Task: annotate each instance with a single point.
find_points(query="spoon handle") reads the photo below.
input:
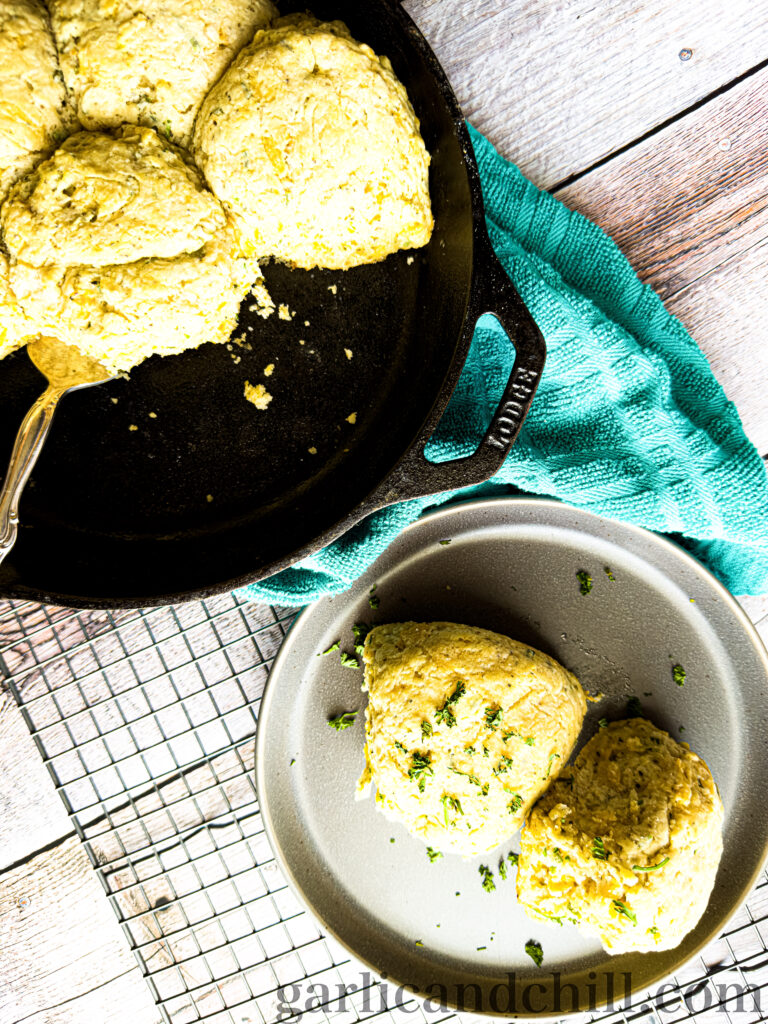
(26, 449)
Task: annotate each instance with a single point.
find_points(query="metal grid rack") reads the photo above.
(145, 720)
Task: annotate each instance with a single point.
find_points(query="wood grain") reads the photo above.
(65, 958)
(557, 86)
(688, 207)
(31, 812)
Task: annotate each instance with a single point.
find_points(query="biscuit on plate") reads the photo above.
(626, 843)
(465, 728)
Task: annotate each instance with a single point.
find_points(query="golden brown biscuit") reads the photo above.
(152, 62)
(312, 144)
(626, 844)
(465, 728)
(118, 248)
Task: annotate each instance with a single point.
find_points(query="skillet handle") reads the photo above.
(493, 292)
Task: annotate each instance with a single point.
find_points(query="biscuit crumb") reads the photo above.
(332, 289)
(409, 261)
(264, 304)
(209, 498)
(283, 312)
(269, 370)
(153, 415)
(113, 401)
(133, 427)
(352, 418)
(348, 353)
(302, 342)
(312, 451)
(306, 323)
(257, 395)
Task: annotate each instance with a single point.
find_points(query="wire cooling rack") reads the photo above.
(146, 721)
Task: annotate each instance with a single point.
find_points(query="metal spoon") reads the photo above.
(65, 369)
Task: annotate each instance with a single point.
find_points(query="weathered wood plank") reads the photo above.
(31, 812)
(689, 209)
(558, 86)
(64, 957)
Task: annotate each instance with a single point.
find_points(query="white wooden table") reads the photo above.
(650, 117)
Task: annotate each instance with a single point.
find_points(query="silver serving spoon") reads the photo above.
(66, 369)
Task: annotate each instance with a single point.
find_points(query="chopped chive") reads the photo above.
(342, 721)
(420, 769)
(651, 867)
(487, 878)
(493, 717)
(535, 952)
(585, 581)
(623, 909)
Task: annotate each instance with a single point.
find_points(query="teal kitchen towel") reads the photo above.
(628, 421)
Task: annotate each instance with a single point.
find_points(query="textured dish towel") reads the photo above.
(628, 421)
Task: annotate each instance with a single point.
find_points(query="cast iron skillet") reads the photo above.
(210, 493)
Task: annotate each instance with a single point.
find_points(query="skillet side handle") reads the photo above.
(494, 293)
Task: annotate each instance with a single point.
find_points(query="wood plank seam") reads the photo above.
(621, 150)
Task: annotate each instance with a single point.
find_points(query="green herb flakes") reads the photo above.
(634, 708)
(420, 770)
(342, 721)
(585, 581)
(444, 542)
(603, 723)
(444, 714)
(552, 757)
(359, 632)
(515, 804)
(470, 750)
(624, 910)
(503, 869)
(535, 952)
(598, 849)
(655, 931)
(650, 867)
(374, 601)
(450, 803)
(426, 729)
(678, 674)
(513, 859)
(334, 647)
(418, 942)
(609, 573)
(503, 766)
(487, 878)
(348, 661)
(433, 855)
(467, 775)
(493, 717)
(400, 746)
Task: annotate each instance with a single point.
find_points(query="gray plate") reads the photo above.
(510, 566)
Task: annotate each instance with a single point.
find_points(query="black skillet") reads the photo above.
(210, 494)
